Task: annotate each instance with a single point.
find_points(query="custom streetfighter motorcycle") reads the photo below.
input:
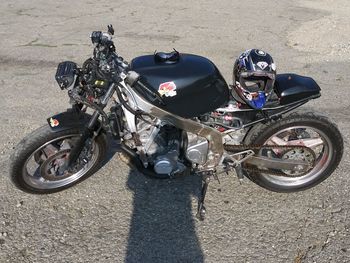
(173, 114)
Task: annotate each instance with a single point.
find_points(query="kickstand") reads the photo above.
(201, 208)
(239, 172)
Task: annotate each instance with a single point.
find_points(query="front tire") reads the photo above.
(299, 127)
(39, 162)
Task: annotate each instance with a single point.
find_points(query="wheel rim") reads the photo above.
(37, 172)
(308, 136)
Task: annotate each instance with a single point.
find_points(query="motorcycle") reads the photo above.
(174, 115)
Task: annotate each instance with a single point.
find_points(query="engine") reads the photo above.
(162, 147)
(166, 148)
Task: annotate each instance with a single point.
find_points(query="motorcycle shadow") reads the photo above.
(162, 227)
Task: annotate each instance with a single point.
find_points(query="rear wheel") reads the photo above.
(325, 149)
(40, 161)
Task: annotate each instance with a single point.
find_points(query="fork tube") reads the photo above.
(89, 129)
(108, 95)
(87, 133)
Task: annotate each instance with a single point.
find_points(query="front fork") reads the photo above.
(88, 131)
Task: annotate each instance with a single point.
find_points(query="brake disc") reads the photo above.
(55, 168)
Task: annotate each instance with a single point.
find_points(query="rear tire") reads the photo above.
(331, 153)
(29, 149)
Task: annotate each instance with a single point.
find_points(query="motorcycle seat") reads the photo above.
(291, 88)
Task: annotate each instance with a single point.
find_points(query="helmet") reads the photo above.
(254, 74)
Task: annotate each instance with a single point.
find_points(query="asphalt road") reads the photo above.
(118, 215)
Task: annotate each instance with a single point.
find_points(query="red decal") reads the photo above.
(54, 122)
(167, 89)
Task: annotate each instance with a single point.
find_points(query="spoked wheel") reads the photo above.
(322, 149)
(40, 161)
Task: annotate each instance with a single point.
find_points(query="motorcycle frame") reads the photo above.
(132, 103)
(216, 152)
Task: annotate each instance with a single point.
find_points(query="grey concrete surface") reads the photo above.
(118, 215)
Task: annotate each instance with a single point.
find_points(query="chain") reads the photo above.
(238, 148)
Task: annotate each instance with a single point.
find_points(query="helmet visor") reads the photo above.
(253, 86)
(248, 74)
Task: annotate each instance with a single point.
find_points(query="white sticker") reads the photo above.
(167, 89)
(54, 122)
(260, 52)
(248, 96)
(273, 66)
(262, 64)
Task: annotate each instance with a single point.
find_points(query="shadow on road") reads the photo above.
(162, 227)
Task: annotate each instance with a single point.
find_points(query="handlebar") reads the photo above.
(109, 63)
(98, 37)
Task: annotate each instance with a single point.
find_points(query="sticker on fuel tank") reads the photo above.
(167, 89)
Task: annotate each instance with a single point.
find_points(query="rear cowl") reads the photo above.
(189, 87)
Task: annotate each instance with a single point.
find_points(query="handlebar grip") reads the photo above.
(100, 38)
(96, 37)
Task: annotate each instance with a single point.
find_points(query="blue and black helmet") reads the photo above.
(254, 75)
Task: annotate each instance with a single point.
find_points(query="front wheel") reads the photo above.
(40, 161)
(314, 131)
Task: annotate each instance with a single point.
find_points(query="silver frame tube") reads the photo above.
(214, 137)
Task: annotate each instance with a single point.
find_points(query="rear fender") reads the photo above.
(292, 88)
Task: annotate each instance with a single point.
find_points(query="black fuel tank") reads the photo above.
(190, 85)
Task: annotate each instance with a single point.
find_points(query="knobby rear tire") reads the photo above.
(262, 132)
